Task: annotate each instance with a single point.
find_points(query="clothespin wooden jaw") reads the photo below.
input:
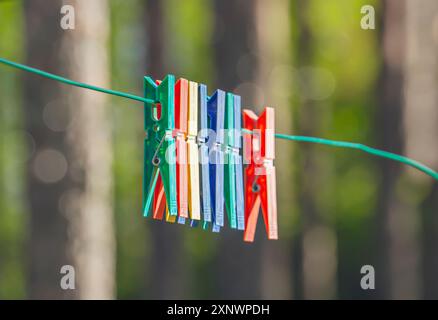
(159, 143)
(260, 177)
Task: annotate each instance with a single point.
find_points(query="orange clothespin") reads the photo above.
(260, 184)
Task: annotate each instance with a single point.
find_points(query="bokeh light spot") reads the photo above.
(55, 116)
(50, 166)
(316, 83)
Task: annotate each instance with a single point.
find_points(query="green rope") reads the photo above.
(332, 143)
(358, 146)
(74, 83)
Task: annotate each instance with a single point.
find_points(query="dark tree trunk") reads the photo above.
(421, 130)
(273, 33)
(389, 127)
(48, 227)
(166, 276)
(237, 268)
(430, 242)
(397, 244)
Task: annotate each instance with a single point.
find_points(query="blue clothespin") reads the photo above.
(216, 117)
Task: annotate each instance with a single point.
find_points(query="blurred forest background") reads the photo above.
(71, 160)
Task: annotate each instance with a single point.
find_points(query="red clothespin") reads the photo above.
(260, 185)
(181, 112)
(180, 133)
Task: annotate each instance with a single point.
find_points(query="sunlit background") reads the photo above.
(71, 160)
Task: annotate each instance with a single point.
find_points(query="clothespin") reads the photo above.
(260, 185)
(192, 153)
(180, 133)
(237, 160)
(159, 146)
(216, 117)
(230, 173)
(203, 156)
(159, 199)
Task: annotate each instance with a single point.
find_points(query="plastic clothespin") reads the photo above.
(230, 172)
(192, 153)
(203, 156)
(159, 200)
(216, 117)
(237, 160)
(181, 111)
(260, 185)
(159, 149)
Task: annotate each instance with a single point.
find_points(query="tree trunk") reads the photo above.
(165, 279)
(392, 266)
(274, 82)
(237, 268)
(421, 130)
(69, 177)
(388, 121)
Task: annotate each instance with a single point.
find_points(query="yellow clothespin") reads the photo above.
(192, 153)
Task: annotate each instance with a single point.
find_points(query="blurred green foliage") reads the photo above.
(13, 155)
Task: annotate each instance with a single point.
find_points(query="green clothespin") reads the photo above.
(159, 148)
(229, 179)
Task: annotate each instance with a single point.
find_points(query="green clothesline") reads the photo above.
(73, 83)
(364, 148)
(332, 143)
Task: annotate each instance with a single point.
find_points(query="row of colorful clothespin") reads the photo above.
(193, 169)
